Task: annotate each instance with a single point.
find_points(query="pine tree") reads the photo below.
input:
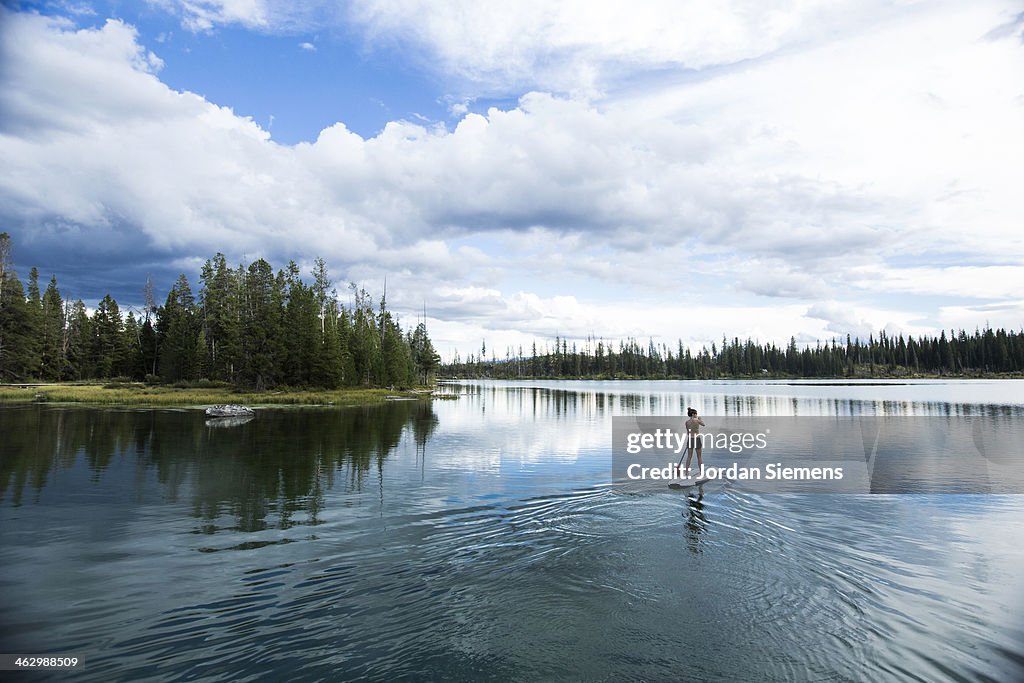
(109, 352)
(331, 362)
(52, 349)
(305, 331)
(79, 343)
(365, 341)
(263, 330)
(34, 325)
(221, 319)
(350, 376)
(399, 367)
(327, 364)
(426, 358)
(134, 365)
(178, 334)
(16, 359)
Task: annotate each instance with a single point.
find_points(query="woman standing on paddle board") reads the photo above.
(693, 439)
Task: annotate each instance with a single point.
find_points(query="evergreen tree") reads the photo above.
(304, 340)
(16, 358)
(350, 376)
(109, 351)
(397, 361)
(426, 358)
(52, 347)
(329, 362)
(221, 319)
(364, 341)
(178, 334)
(79, 343)
(134, 363)
(34, 325)
(261, 328)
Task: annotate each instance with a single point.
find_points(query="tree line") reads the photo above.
(985, 351)
(247, 326)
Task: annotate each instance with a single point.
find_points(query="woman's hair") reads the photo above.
(691, 411)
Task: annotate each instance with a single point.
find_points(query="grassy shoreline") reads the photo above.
(148, 395)
(139, 394)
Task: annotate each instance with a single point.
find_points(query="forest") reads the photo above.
(986, 352)
(252, 327)
(246, 326)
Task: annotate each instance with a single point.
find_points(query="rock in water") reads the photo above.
(229, 410)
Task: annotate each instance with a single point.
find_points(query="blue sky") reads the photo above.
(658, 169)
(293, 84)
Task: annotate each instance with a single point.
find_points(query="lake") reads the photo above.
(482, 539)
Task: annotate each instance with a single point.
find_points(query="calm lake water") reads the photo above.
(481, 539)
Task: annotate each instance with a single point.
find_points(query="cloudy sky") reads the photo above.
(675, 170)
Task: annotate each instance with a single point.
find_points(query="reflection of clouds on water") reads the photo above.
(531, 425)
(469, 455)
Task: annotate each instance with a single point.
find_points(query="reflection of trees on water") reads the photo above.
(277, 465)
(37, 440)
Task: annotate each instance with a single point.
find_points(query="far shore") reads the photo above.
(860, 379)
(139, 394)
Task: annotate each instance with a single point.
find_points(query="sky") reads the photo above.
(659, 170)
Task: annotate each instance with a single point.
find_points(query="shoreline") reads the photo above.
(825, 380)
(140, 394)
(179, 397)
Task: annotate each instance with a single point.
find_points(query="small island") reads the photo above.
(250, 337)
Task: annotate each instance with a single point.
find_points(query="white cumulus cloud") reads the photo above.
(817, 155)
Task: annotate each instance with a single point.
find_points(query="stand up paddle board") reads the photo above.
(688, 483)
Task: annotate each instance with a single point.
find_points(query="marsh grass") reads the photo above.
(119, 393)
